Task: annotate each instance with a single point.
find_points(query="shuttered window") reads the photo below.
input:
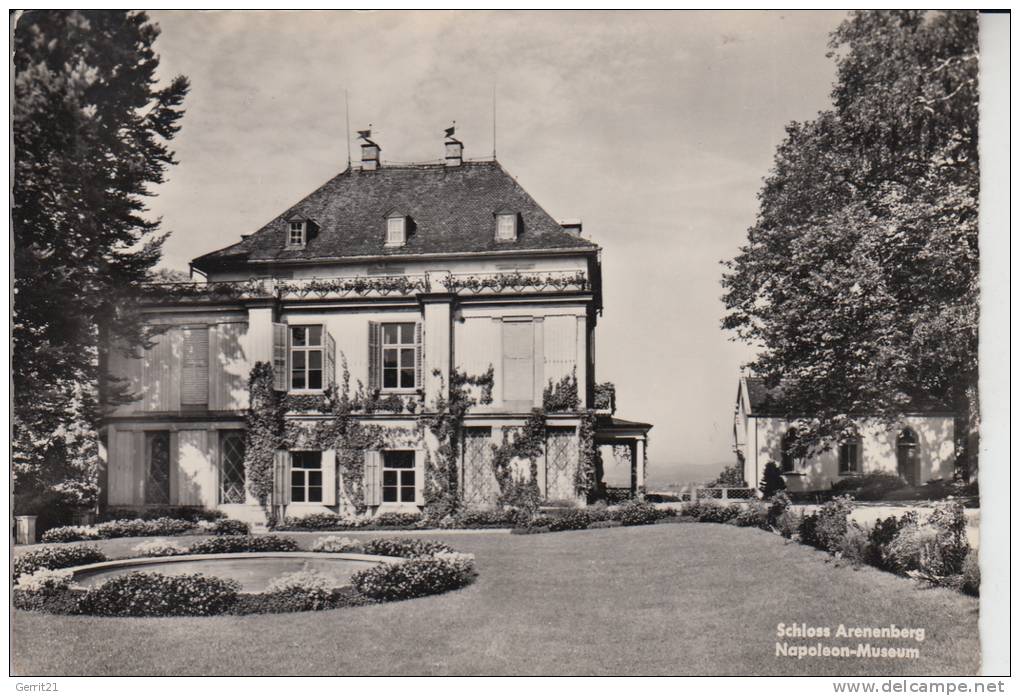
(195, 368)
(306, 477)
(518, 361)
(373, 477)
(306, 357)
(280, 357)
(398, 476)
(399, 356)
(394, 356)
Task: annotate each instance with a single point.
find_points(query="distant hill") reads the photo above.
(662, 474)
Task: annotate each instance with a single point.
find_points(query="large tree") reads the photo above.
(859, 279)
(91, 128)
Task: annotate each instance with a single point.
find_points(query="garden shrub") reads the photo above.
(789, 523)
(869, 486)
(971, 581)
(64, 602)
(832, 523)
(63, 535)
(158, 548)
(881, 536)
(950, 523)
(45, 581)
(325, 520)
(808, 531)
(778, 505)
(190, 514)
(227, 527)
(772, 480)
(753, 514)
(576, 519)
(402, 547)
(55, 557)
(505, 517)
(536, 521)
(335, 544)
(914, 548)
(243, 544)
(415, 577)
(712, 511)
(397, 519)
(308, 589)
(604, 524)
(853, 546)
(290, 601)
(934, 551)
(638, 513)
(153, 594)
(116, 529)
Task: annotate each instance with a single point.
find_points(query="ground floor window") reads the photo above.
(398, 476)
(157, 467)
(850, 457)
(232, 467)
(788, 460)
(306, 477)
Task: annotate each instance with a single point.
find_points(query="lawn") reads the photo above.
(674, 599)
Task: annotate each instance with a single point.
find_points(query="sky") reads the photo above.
(655, 128)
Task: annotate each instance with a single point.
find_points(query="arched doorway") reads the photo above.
(908, 463)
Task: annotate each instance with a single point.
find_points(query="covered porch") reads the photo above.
(623, 448)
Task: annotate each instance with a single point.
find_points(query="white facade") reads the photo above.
(918, 447)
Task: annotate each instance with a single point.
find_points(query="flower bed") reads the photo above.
(44, 579)
(161, 526)
(935, 552)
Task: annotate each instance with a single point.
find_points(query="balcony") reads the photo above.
(366, 287)
(515, 283)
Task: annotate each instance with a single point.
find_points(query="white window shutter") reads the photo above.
(329, 477)
(418, 381)
(195, 366)
(280, 376)
(374, 356)
(419, 477)
(373, 476)
(281, 477)
(330, 361)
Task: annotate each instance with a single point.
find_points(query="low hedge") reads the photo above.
(243, 544)
(426, 568)
(152, 594)
(163, 526)
(414, 577)
(404, 547)
(291, 601)
(227, 527)
(55, 557)
(183, 512)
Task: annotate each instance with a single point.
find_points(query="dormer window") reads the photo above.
(396, 230)
(296, 234)
(506, 227)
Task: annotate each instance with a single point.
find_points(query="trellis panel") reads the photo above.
(480, 488)
(561, 464)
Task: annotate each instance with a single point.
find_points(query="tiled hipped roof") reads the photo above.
(451, 211)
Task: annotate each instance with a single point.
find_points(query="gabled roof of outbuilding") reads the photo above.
(452, 210)
(764, 401)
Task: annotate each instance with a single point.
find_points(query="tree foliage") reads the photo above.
(859, 279)
(90, 132)
(731, 476)
(772, 480)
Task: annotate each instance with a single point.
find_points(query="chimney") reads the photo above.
(571, 225)
(369, 152)
(454, 149)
